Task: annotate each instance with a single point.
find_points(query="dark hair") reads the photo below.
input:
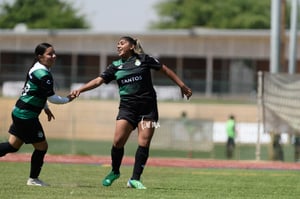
(129, 39)
(137, 44)
(39, 50)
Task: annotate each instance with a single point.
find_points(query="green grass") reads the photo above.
(84, 181)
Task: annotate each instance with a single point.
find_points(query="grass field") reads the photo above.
(84, 181)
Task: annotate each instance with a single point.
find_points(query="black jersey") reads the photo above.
(38, 88)
(133, 76)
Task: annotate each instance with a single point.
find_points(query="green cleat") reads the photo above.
(136, 184)
(110, 178)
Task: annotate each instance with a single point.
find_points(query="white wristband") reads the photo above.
(55, 99)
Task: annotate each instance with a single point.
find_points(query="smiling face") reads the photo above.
(125, 48)
(48, 58)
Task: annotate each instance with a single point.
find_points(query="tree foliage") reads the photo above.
(37, 14)
(230, 14)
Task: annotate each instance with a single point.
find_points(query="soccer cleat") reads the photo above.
(36, 182)
(136, 184)
(110, 178)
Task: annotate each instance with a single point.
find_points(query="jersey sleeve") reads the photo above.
(46, 85)
(44, 82)
(56, 99)
(153, 62)
(109, 74)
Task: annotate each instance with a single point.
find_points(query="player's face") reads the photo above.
(124, 48)
(48, 58)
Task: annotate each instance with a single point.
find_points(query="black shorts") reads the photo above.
(136, 112)
(28, 130)
(230, 142)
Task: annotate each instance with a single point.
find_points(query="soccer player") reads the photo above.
(26, 127)
(138, 104)
(231, 134)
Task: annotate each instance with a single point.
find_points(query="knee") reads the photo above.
(42, 146)
(144, 142)
(118, 145)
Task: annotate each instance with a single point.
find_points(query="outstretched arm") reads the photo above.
(184, 89)
(88, 86)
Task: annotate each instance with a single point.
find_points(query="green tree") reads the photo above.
(231, 14)
(37, 14)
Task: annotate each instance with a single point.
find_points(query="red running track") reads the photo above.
(163, 162)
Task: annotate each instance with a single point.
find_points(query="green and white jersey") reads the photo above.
(133, 76)
(38, 87)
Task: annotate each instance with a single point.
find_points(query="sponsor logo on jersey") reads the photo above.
(131, 79)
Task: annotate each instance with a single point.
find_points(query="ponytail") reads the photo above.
(27, 74)
(138, 49)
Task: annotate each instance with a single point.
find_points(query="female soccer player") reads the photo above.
(138, 104)
(26, 127)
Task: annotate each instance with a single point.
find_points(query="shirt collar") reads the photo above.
(37, 66)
